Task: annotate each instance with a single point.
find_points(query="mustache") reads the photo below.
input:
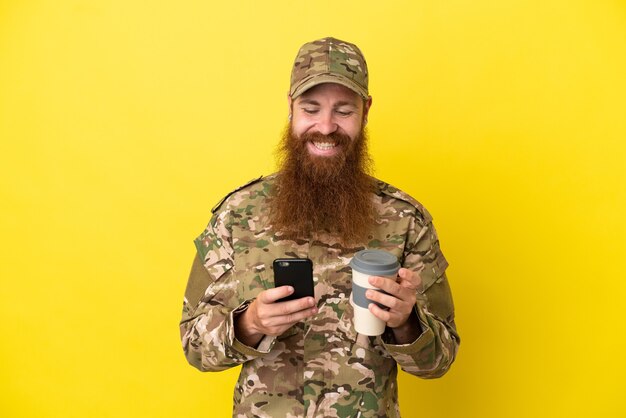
(336, 138)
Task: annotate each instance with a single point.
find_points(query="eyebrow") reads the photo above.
(308, 101)
(316, 103)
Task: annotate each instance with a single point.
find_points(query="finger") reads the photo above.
(291, 318)
(409, 278)
(279, 324)
(384, 283)
(286, 308)
(272, 295)
(403, 304)
(292, 306)
(388, 301)
(280, 314)
(391, 318)
(383, 315)
(404, 293)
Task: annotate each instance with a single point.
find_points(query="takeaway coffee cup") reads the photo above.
(367, 263)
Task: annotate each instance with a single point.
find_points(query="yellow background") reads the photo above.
(123, 122)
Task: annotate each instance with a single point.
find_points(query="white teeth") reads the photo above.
(324, 145)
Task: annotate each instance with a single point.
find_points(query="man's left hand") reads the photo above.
(400, 299)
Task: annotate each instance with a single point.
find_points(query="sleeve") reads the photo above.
(211, 304)
(434, 351)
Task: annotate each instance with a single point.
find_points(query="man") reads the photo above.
(303, 357)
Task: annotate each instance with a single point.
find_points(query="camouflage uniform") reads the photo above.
(320, 367)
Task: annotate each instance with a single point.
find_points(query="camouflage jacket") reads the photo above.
(320, 367)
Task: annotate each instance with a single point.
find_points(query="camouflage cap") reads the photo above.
(329, 60)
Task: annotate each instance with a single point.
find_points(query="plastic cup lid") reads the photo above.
(375, 263)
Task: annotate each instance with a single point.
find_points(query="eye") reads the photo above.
(344, 112)
(309, 110)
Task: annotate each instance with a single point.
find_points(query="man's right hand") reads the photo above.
(265, 316)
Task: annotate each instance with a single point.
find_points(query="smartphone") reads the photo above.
(296, 272)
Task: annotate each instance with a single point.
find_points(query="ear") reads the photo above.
(366, 106)
(289, 102)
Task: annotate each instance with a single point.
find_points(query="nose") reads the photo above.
(326, 124)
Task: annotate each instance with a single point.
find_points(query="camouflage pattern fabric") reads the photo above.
(320, 367)
(329, 60)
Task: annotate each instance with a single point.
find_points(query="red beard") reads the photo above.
(330, 194)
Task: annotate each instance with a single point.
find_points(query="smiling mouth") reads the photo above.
(324, 146)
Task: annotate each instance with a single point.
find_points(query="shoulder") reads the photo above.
(249, 193)
(393, 196)
(229, 209)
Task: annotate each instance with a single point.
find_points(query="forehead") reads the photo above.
(330, 92)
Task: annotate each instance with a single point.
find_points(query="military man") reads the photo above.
(303, 357)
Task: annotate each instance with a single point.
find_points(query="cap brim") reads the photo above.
(328, 78)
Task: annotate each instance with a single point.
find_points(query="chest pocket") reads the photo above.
(251, 282)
